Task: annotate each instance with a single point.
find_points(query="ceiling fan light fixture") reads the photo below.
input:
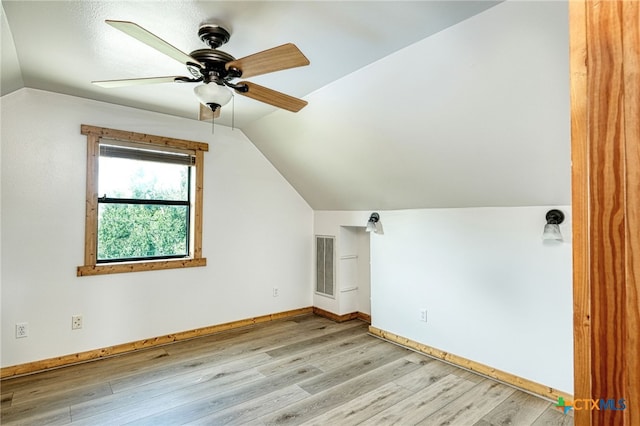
(212, 93)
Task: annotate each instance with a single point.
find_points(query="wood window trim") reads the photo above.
(91, 267)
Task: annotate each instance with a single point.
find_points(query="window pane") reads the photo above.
(135, 231)
(126, 178)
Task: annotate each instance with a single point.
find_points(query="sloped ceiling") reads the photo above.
(474, 116)
(411, 104)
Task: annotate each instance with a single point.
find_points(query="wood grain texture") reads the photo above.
(520, 408)
(363, 407)
(605, 140)
(245, 412)
(606, 210)
(344, 317)
(334, 317)
(120, 268)
(206, 114)
(238, 377)
(553, 417)
(364, 317)
(272, 97)
(424, 402)
(360, 361)
(198, 208)
(91, 209)
(580, 207)
(631, 53)
(37, 366)
(471, 406)
(124, 135)
(512, 379)
(275, 59)
(344, 393)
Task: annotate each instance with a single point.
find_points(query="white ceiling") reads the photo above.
(411, 104)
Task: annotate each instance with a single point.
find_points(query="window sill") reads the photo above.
(118, 268)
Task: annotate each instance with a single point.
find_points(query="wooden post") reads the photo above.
(605, 99)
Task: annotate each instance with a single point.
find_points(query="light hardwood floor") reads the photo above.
(305, 370)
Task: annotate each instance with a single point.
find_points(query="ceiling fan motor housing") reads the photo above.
(214, 62)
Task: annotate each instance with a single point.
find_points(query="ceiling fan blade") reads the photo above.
(138, 81)
(139, 33)
(275, 59)
(271, 97)
(206, 114)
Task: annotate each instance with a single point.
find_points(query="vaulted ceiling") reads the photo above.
(411, 104)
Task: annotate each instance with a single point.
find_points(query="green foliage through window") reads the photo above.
(143, 208)
(141, 231)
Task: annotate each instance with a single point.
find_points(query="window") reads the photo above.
(144, 202)
(325, 272)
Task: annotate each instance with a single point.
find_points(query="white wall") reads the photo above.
(494, 292)
(353, 269)
(256, 235)
(348, 228)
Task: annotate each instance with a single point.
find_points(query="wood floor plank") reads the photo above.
(315, 355)
(133, 407)
(205, 405)
(341, 358)
(423, 403)
(292, 371)
(471, 406)
(210, 353)
(369, 360)
(262, 341)
(247, 412)
(362, 408)
(469, 375)
(553, 417)
(86, 373)
(45, 404)
(426, 375)
(520, 408)
(52, 417)
(5, 399)
(210, 380)
(189, 368)
(418, 358)
(343, 393)
(225, 339)
(318, 341)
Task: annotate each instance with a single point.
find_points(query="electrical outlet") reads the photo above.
(22, 330)
(275, 292)
(423, 315)
(76, 322)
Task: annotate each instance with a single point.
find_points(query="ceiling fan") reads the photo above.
(216, 69)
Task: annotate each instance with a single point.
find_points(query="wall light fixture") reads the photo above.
(552, 228)
(374, 225)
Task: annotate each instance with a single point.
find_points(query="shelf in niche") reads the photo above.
(348, 256)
